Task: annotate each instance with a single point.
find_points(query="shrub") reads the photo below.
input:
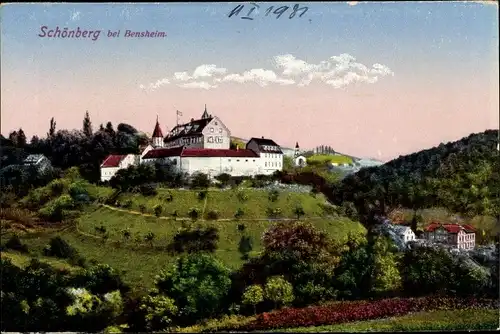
(241, 227)
(194, 213)
(200, 181)
(15, 243)
(279, 291)
(273, 195)
(213, 215)
(202, 195)
(148, 190)
(299, 211)
(169, 197)
(57, 187)
(239, 213)
(149, 237)
(357, 311)
(127, 204)
(158, 210)
(175, 214)
(253, 295)
(58, 247)
(142, 208)
(195, 240)
(273, 212)
(242, 196)
(245, 246)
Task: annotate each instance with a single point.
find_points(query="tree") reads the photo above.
(200, 181)
(279, 291)
(198, 283)
(21, 138)
(87, 125)
(299, 211)
(245, 246)
(52, 130)
(386, 276)
(159, 311)
(253, 295)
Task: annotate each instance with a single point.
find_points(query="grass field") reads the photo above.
(319, 159)
(253, 202)
(138, 261)
(22, 260)
(422, 321)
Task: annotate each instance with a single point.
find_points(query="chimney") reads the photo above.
(262, 137)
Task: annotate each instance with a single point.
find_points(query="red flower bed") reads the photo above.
(358, 311)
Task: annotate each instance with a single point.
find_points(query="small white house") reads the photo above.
(405, 233)
(40, 161)
(113, 163)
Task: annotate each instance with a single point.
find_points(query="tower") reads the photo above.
(296, 151)
(205, 113)
(157, 135)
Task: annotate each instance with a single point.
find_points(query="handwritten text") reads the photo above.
(295, 11)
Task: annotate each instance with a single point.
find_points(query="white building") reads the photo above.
(113, 163)
(405, 233)
(203, 145)
(40, 161)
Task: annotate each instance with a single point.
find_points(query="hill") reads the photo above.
(461, 176)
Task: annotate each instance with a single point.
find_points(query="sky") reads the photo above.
(372, 79)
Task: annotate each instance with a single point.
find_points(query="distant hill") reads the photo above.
(461, 176)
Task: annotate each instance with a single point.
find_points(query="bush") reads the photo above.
(273, 212)
(148, 190)
(15, 243)
(245, 246)
(57, 187)
(213, 215)
(273, 195)
(127, 204)
(241, 227)
(356, 311)
(242, 197)
(202, 195)
(142, 208)
(239, 213)
(168, 197)
(200, 181)
(194, 213)
(158, 210)
(195, 240)
(175, 214)
(60, 248)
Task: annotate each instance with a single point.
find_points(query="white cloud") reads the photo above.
(204, 71)
(201, 85)
(259, 76)
(337, 72)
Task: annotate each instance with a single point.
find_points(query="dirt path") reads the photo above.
(202, 219)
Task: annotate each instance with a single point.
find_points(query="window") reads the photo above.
(220, 130)
(265, 164)
(215, 123)
(246, 160)
(237, 160)
(229, 160)
(211, 129)
(253, 160)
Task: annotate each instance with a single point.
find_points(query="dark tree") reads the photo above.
(87, 125)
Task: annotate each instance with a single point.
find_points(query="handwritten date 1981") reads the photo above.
(270, 10)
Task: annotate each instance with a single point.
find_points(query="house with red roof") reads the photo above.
(455, 235)
(113, 163)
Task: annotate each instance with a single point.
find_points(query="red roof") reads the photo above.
(163, 153)
(113, 161)
(208, 153)
(450, 228)
(199, 152)
(157, 131)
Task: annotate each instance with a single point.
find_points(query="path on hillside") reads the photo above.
(202, 219)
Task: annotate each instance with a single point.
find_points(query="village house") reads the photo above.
(113, 163)
(405, 233)
(40, 161)
(202, 146)
(454, 235)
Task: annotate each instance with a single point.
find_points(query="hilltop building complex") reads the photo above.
(202, 145)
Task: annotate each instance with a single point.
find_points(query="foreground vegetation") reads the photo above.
(453, 320)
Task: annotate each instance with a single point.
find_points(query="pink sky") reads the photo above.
(436, 69)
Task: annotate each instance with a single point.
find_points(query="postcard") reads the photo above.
(250, 166)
